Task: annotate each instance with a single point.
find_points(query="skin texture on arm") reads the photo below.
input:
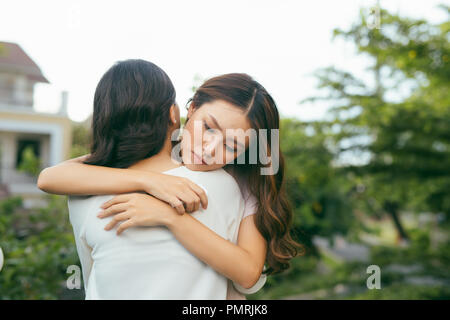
(72, 177)
(241, 263)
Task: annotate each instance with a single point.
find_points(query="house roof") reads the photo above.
(14, 59)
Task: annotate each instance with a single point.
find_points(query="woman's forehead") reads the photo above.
(225, 115)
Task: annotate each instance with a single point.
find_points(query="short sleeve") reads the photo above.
(250, 206)
(255, 288)
(251, 203)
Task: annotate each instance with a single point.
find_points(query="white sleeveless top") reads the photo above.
(149, 262)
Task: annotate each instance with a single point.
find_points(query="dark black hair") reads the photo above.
(131, 113)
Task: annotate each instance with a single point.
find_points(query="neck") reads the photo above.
(162, 161)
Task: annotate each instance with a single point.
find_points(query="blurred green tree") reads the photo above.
(81, 137)
(317, 192)
(397, 118)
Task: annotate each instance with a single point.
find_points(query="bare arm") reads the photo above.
(72, 177)
(241, 263)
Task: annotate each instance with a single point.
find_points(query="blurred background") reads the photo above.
(363, 90)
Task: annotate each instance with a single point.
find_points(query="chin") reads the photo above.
(194, 167)
(202, 167)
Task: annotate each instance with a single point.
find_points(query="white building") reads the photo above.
(49, 135)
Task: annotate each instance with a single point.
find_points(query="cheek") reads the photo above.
(191, 141)
(188, 136)
(196, 136)
(228, 156)
(212, 167)
(198, 132)
(186, 147)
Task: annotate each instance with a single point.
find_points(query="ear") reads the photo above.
(175, 114)
(191, 110)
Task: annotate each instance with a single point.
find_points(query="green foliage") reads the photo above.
(198, 81)
(30, 163)
(316, 191)
(38, 247)
(405, 138)
(81, 138)
(305, 280)
(401, 291)
(401, 144)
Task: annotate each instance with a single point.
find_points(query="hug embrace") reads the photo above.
(199, 213)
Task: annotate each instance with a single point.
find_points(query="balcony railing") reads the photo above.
(7, 97)
(12, 175)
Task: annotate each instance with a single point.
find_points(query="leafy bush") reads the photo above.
(30, 163)
(38, 246)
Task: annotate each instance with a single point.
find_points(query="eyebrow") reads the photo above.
(215, 121)
(217, 124)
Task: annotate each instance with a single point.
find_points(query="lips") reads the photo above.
(198, 159)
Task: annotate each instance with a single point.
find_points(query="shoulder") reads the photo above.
(251, 205)
(85, 202)
(82, 207)
(219, 181)
(251, 202)
(215, 182)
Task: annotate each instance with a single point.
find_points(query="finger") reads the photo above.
(116, 219)
(201, 193)
(189, 206)
(124, 225)
(189, 198)
(177, 204)
(195, 201)
(116, 208)
(196, 204)
(117, 199)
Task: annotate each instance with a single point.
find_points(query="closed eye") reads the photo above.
(208, 128)
(230, 148)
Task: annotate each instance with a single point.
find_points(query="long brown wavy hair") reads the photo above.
(274, 215)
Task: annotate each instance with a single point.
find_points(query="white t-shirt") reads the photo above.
(149, 262)
(251, 204)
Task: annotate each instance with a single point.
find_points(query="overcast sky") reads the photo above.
(280, 43)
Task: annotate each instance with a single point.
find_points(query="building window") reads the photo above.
(6, 88)
(22, 144)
